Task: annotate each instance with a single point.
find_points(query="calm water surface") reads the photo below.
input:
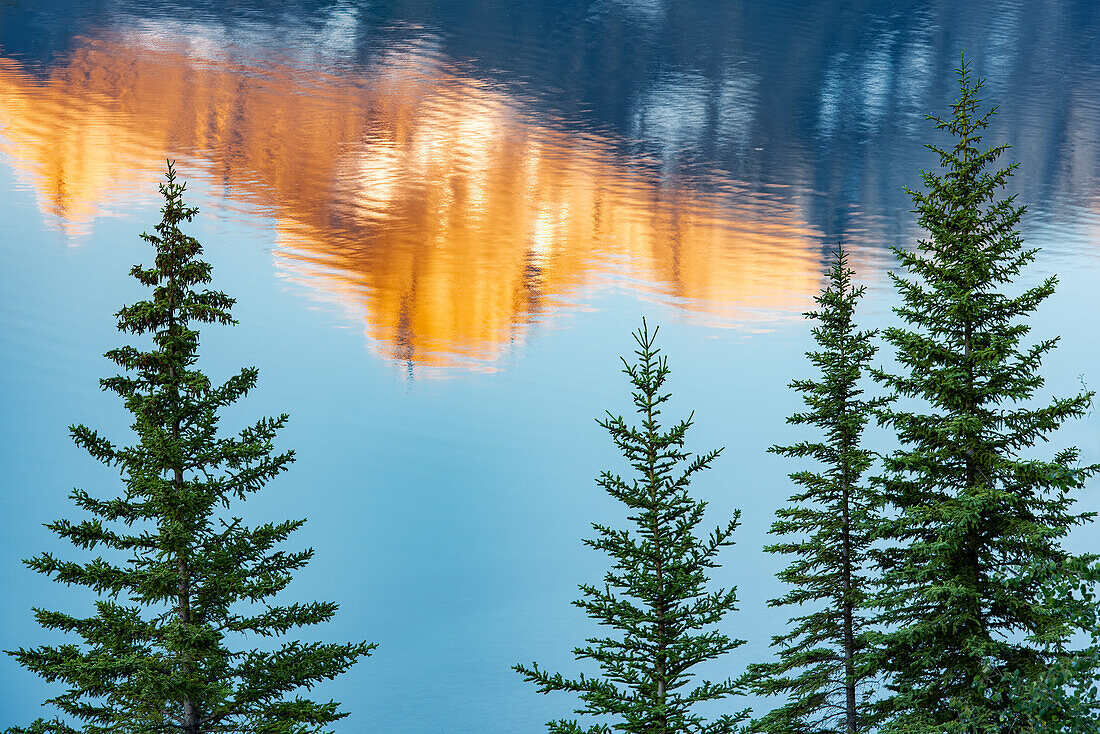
(442, 220)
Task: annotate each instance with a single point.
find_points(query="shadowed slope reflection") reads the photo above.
(440, 208)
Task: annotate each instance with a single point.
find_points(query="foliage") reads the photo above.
(654, 596)
(970, 575)
(829, 528)
(168, 670)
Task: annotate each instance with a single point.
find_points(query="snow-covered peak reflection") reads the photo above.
(444, 212)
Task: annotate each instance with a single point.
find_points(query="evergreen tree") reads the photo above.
(821, 661)
(169, 670)
(976, 592)
(654, 596)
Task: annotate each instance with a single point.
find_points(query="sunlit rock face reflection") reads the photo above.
(437, 206)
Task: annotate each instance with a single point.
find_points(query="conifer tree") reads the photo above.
(977, 593)
(154, 657)
(821, 665)
(654, 596)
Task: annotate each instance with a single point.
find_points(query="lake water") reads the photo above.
(441, 221)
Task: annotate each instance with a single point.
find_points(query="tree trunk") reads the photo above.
(849, 636)
(190, 711)
(191, 718)
(662, 643)
(846, 564)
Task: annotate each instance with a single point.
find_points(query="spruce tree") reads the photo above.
(821, 665)
(654, 595)
(977, 595)
(154, 656)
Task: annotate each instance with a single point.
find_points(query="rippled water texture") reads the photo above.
(494, 193)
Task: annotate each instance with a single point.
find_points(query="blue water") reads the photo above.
(441, 222)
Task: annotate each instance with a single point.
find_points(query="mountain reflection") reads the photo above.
(437, 206)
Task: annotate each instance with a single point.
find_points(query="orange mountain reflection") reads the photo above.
(439, 208)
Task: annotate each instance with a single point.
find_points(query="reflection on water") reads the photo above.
(452, 172)
(431, 202)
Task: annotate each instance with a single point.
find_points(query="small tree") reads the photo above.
(169, 670)
(977, 593)
(833, 517)
(654, 595)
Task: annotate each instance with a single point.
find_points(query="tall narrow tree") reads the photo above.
(188, 569)
(971, 577)
(821, 665)
(654, 596)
